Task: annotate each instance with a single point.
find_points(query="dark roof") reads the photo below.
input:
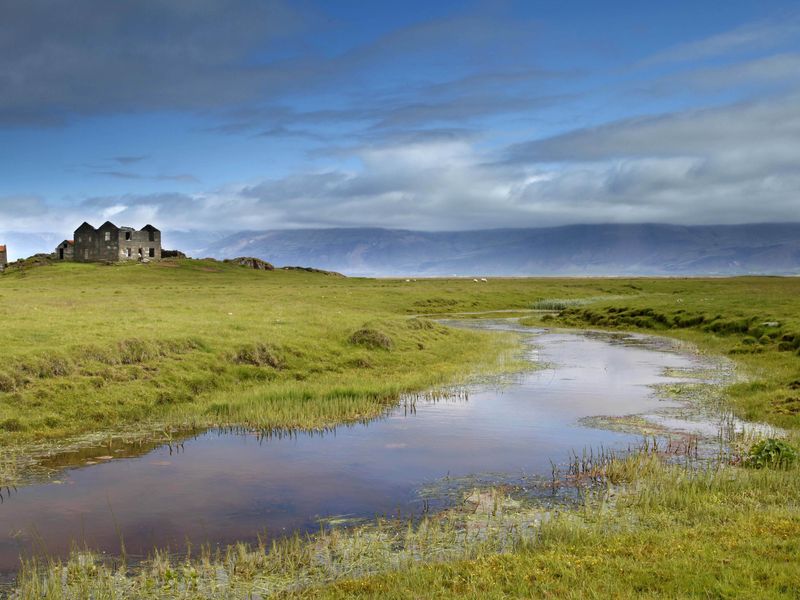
(67, 242)
(110, 225)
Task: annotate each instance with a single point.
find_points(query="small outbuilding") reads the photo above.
(65, 250)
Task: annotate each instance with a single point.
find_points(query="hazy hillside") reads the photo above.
(571, 250)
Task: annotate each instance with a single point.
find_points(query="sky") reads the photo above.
(247, 115)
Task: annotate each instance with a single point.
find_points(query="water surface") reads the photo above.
(220, 487)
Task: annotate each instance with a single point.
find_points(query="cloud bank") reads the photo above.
(443, 123)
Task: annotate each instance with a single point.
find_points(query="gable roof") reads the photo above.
(2, 248)
(84, 226)
(149, 227)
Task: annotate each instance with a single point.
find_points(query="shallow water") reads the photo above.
(221, 487)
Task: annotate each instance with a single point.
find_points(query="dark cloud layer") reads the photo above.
(59, 61)
(84, 57)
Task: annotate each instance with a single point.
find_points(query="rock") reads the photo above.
(313, 270)
(172, 254)
(251, 263)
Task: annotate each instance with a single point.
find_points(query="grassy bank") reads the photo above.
(90, 348)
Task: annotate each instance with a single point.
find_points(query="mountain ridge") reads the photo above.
(615, 249)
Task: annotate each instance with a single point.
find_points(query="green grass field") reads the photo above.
(86, 350)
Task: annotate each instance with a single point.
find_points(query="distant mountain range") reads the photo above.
(642, 249)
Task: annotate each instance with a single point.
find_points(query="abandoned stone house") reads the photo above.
(3, 257)
(109, 243)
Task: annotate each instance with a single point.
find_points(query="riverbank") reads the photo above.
(101, 355)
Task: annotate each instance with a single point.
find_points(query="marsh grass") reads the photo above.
(559, 304)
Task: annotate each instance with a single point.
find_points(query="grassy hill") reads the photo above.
(94, 347)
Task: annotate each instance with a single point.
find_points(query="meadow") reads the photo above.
(88, 351)
(88, 348)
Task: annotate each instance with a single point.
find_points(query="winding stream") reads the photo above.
(227, 486)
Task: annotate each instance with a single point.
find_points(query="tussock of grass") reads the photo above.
(259, 355)
(371, 338)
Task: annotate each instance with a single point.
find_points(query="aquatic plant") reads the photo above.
(771, 453)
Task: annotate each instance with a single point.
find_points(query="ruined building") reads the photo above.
(3, 257)
(109, 243)
(65, 250)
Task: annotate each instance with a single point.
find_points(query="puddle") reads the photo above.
(219, 487)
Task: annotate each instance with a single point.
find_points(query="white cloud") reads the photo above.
(747, 38)
(732, 164)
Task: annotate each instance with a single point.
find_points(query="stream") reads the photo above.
(219, 486)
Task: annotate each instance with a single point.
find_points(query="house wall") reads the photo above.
(95, 246)
(140, 245)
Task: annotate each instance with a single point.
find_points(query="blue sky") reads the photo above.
(423, 115)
